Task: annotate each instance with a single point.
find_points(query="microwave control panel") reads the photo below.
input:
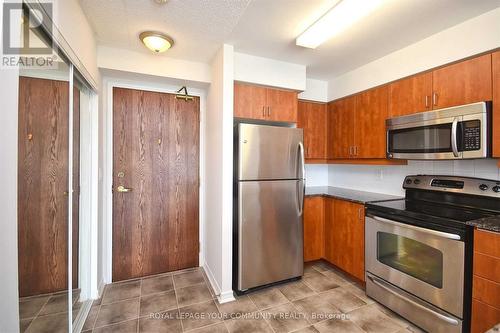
(471, 135)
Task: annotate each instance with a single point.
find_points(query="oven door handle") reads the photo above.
(389, 289)
(409, 226)
(454, 147)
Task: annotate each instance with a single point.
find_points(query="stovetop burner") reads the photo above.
(437, 212)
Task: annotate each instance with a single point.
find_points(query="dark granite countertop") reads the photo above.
(491, 223)
(348, 194)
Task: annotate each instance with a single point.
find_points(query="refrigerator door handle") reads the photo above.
(302, 166)
(299, 187)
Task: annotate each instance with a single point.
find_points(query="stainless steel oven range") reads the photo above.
(419, 249)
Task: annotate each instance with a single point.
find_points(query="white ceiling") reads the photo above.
(268, 28)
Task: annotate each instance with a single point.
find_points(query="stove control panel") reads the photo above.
(465, 185)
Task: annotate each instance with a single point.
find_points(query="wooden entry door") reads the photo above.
(156, 160)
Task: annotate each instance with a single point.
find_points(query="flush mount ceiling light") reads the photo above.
(340, 17)
(161, 2)
(156, 41)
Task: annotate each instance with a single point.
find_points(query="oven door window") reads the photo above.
(411, 257)
(425, 139)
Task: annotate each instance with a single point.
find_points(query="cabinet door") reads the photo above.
(351, 216)
(312, 118)
(331, 239)
(282, 105)
(496, 103)
(249, 101)
(345, 236)
(465, 82)
(314, 216)
(484, 316)
(369, 123)
(341, 128)
(410, 95)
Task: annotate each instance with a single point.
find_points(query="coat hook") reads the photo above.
(184, 96)
(30, 137)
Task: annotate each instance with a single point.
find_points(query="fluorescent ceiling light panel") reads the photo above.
(336, 20)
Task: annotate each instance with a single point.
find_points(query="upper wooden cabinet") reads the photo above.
(356, 125)
(465, 82)
(314, 218)
(250, 101)
(312, 118)
(410, 95)
(496, 103)
(345, 236)
(341, 128)
(369, 123)
(255, 102)
(282, 105)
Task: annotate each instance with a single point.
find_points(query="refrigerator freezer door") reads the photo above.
(270, 232)
(270, 152)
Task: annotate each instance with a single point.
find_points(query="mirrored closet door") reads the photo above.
(54, 154)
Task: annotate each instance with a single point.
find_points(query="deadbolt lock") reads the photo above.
(121, 174)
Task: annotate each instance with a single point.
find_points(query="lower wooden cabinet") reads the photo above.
(334, 230)
(484, 316)
(314, 218)
(345, 236)
(486, 281)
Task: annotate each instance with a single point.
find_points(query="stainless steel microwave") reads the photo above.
(453, 133)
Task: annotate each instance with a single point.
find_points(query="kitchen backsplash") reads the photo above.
(388, 179)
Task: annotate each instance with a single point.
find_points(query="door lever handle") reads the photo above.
(123, 189)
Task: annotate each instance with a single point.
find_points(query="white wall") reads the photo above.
(316, 90)
(78, 38)
(468, 38)
(269, 72)
(316, 175)
(389, 179)
(219, 168)
(9, 309)
(152, 64)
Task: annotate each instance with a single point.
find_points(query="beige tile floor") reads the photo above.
(324, 300)
(46, 313)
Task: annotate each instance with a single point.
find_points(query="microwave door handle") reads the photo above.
(454, 147)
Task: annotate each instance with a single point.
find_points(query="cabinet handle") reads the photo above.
(269, 111)
(426, 101)
(434, 98)
(360, 213)
(350, 151)
(355, 150)
(263, 111)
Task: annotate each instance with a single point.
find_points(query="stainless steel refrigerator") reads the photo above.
(268, 205)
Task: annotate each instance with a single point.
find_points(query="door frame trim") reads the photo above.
(107, 180)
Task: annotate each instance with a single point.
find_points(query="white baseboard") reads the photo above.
(222, 296)
(211, 279)
(100, 289)
(226, 297)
